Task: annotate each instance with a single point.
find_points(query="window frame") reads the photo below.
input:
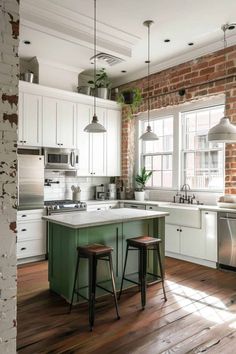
(177, 160)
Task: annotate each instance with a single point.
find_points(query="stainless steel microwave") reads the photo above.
(61, 159)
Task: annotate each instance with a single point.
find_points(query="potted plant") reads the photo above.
(102, 84)
(141, 181)
(131, 99)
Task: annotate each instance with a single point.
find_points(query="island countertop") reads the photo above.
(77, 220)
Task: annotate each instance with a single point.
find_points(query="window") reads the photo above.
(157, 156)
(202, 162)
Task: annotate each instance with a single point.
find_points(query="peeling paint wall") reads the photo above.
(9, 32)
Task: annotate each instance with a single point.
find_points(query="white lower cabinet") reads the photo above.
(102, 206)
(31, 234)
(194, 242)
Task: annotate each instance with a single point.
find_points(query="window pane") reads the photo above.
(157, 163)
(148, 163)
(167, 162)
(167, 179)
(168, 126)
(203, 161)
(157, 178)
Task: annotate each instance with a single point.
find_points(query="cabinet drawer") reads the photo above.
(134, 206)
(31, 230)
(151, 207)
(24, 215)
(31, 248)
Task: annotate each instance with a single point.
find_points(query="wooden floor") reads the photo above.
(199, 316)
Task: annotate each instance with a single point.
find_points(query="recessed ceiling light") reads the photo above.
(231, 27)
(123, 71)
(190, 43)
(166, 40)
(27, 42)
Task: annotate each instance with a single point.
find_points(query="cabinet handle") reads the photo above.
(23, 229)
(177, 230)
(23, 216)
(180, 230)
(23, 248)
(206, 212)
(134, 206)
(150, 207)
(24, 141)
(98, 208)
(20, 141)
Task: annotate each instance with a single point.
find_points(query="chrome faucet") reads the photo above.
(185, 187)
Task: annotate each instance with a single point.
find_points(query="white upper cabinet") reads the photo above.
(84, 115)
(59, 123)
(30, 120)
(113, 163)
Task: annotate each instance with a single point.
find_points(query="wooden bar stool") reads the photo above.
(93, 253)
(143, 244)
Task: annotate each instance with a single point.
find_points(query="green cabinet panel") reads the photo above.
(63, 242)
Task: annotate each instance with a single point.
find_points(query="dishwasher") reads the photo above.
(227, 240)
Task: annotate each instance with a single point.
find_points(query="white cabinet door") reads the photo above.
(113, 143)
(98, 147)
(192, 242)
(20, 120)
(66, 124)
(30, 120)
(84, 115)
(209, 219)
(50, 129)
(172, 238)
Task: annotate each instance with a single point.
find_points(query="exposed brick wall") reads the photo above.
(9, 29)
(193, 76)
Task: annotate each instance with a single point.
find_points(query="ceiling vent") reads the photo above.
(107, 59)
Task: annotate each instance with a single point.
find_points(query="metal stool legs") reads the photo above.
(92, 289)
(143, 275)
(123, 275)
(161, 270)
(74, 287)
(113, 286)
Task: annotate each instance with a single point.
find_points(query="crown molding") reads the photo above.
(177, 60)
(58, 21)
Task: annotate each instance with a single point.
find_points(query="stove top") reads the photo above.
(64, 205)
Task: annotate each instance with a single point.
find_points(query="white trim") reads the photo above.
(203, 262)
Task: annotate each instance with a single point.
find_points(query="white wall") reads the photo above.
(63, 189)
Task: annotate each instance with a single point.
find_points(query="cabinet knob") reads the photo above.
(206, 212)
(180, 230)
(23, 229)
(23, 248)
(24, 141)
(177, 230)
(23, 216)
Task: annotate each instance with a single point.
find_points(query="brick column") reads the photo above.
(9, 30)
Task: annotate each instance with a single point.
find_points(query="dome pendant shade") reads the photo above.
(94, 126)
(149, 135)
(223, 132)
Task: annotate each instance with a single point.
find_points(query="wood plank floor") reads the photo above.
(199, 316)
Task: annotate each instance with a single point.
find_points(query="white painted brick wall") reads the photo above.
(9, 70)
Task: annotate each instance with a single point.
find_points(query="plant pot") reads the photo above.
(102, 92)
(139, 195)
(85, 90)
(128, 97)
(28, 77)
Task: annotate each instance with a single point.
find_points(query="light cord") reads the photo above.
(95, 52)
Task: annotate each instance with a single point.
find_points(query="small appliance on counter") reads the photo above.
(111, 191)
(100, 192)
(76, 193)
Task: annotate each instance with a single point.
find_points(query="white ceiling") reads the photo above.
(62, 31)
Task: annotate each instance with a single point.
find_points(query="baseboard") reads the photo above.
(192, 259)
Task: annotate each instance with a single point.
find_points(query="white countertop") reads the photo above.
(76, 220)
(165, 204)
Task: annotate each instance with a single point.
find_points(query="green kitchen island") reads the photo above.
(66, 231)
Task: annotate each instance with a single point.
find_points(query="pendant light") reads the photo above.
(224, 131)
(94, 126)
(148, 135)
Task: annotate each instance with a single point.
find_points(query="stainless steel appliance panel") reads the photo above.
(31, 182)
(61, 159)
(227, 239)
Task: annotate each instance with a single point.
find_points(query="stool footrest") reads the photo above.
(101, 287)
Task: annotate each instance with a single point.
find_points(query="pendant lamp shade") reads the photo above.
(224, 131)
(94, 126)
(148, 135)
